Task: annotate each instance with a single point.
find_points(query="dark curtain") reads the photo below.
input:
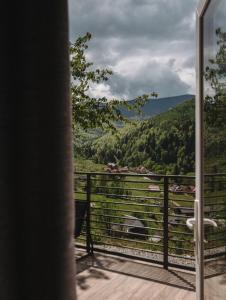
(36, 208)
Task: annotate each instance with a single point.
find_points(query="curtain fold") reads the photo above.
(36, 173)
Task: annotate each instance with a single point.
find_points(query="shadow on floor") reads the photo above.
(216, 267)
(82, 280)
(94, 267)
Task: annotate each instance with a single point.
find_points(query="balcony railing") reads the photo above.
(143, 216)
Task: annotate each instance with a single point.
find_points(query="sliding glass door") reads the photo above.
(211, 151)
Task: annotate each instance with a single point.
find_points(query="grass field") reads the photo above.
(115, 199)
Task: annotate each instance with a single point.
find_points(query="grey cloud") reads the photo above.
(152, 77)
(111, 50)
(171, 62)
(189, 62)
(154, 18)
(138, 28)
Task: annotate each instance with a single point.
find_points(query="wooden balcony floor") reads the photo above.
(112, 278)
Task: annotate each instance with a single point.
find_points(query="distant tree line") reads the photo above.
(163, 144)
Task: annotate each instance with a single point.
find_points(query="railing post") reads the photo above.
(88, 232)
(165, 224)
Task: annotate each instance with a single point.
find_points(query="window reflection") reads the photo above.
(215, 88)
(214, 76)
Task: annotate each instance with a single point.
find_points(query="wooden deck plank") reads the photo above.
(112, 278)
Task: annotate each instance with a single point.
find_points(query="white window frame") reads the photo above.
(199, 202)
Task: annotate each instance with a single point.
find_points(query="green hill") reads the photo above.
(215, 148)
(156, 106)
(163, 144)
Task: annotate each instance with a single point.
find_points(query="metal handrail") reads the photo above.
(164, 222)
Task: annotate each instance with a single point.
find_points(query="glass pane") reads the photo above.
(215, 149)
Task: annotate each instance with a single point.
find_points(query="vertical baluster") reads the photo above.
(165, 224)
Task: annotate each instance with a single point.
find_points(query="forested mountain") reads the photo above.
(215, 148)
(163, 144)
(156, 106)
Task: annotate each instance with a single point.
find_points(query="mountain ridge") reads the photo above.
(164, 144)
(156, 106)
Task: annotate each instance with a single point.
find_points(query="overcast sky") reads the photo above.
(149, 44)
